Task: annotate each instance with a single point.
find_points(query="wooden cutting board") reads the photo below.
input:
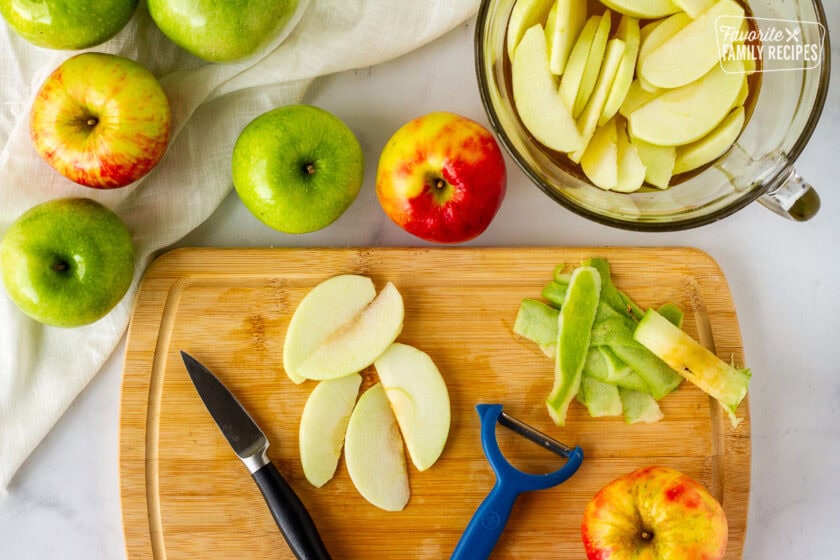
(185, 494)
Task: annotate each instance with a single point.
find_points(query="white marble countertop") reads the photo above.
(64, 503)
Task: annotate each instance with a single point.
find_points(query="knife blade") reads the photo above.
(251, 446)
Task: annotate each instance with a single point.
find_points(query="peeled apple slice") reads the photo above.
(323, 424)
(628, 31)
(644, 9)
(636, 97)
(569, 19)
(694, 7)
(653, 35)
(631, 169)
(692, 51)
(525, 14)
(658, 161)
(574, 329)
(684, 115)
(600, 160)
(593, 64)
(540, 107)
(373, 452)
(712, 146)
(576, 64)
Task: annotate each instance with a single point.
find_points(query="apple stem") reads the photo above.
(92, 121)
(60, 266)
(646, 535)
(309, 168)
(440, 184)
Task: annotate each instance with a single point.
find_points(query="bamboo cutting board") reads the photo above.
(185, 494)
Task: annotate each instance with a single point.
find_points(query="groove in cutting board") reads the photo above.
(185, 494)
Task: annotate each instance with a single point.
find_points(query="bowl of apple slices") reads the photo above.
(657, 114)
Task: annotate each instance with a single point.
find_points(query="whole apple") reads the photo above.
(655, 513)
(101, 120)
(67, 262)
(442, 178)
(221, 30)
(69, 25)
(297, 168)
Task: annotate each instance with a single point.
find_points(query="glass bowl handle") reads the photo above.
(793, 197)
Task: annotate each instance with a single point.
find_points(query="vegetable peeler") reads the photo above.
(489, 520)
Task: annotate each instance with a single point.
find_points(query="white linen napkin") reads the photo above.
(43, 369)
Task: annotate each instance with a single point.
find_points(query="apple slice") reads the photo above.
(636, 97)
(743, 94)
(576, 64)
(343, 296)
(644, 9)
(419, 399)
(691, 52)
(595, 107)
(694, 7)
(653, 35)
(569, 19)
(631, 169)
(358, 343)
(550, 22)
(658, 162)
(713, 146)
(593, 64)
(628, 31)
(323, 424)
(525, 14)
(373, 452)
(540, 107)
(600, 160)
(683, 115)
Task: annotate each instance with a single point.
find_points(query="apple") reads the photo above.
(543, 112)
(653, 35)
(525, 14)
(631, 168)
(324, 310)
(658, 161)
(643, 9)
(600, 160)
(592, 70)
(628, 31)
(221, 30)
(692, 51)
(356, 344)
(373, 452)
(636, 97)
(686, 114)
(59, 24)
(568, 22)
(442, 177)
(712, 146)
(101, 120)
(323, 424)
(694, 7)
(419, 399)
(575, 65)
(655, 513)
(67, 262)
(297, 168)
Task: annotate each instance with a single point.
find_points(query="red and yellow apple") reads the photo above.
(655, 513)
(442, 178)
(101, 120)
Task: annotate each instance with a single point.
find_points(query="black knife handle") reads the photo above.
(290, 514)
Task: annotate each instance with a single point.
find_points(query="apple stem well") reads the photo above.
(309, 168)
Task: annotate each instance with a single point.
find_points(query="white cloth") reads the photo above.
(43, 369)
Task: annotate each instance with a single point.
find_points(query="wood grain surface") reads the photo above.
(185, 494)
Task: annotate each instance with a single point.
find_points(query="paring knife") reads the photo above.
(251, 446)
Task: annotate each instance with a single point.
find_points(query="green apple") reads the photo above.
(67, 262)
(546, 116)
(712, 146)
(355, 345)
(297, 168)
(221, 30)
(588, 120)
(67, 25)
(658, 161)
(373, 452)
(644, 9)
(419, 399)
(686, 114)
(692, 51)
(631, 169)
(628, 31)
(569, 17)
(324, 310)
(323, 425)
(524, 15)
(600, 160)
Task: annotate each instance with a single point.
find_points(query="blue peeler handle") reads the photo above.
(489, 520)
